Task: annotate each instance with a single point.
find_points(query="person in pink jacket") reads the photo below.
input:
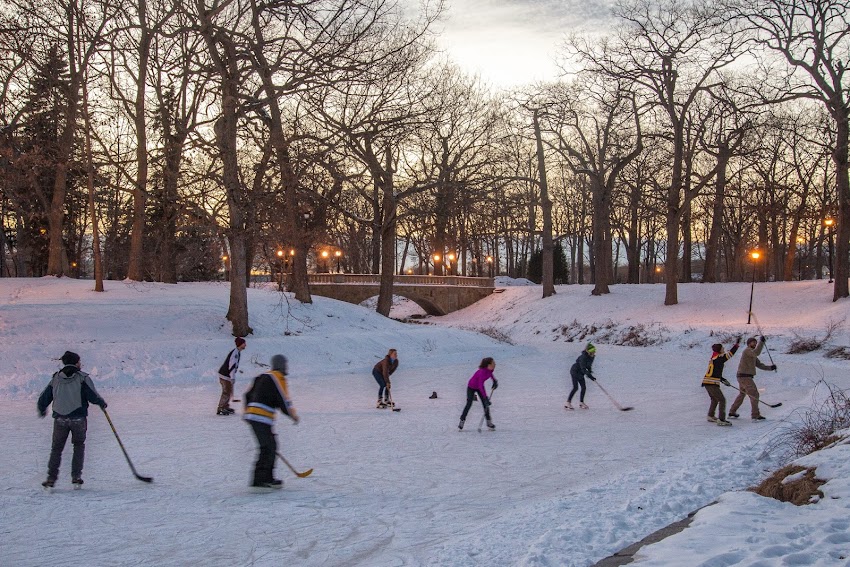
(476, 386)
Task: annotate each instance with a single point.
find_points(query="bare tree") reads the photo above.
(813, 37)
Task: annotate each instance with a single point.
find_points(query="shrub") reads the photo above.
(818, 427)
(801, 344)
(496, 334)
(838, 352)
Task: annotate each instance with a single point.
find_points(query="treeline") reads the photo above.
(168, 141)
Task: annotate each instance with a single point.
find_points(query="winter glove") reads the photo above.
(495, 384)
(763, 339)
(42, 413)
(591, 377)
(725, 381)
(773, 367)
(103, 405)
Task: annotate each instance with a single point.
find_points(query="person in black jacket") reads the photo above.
(70, 391)
(581, 367)
(268, 392)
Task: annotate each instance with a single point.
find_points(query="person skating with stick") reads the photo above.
(476, 385)
(714, 377)
(227, 377)
(381, 373)
(70, 391)
(583, 366)
(746, 374)
(268, 392)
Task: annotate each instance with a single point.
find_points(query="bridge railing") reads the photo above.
(405, 279)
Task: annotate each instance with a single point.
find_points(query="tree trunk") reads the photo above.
(95, 232)
(712, 247)
(842, 186)
(388, 229)
(547, 257)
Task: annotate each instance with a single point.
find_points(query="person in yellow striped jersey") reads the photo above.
(269, 392)
(714, 377)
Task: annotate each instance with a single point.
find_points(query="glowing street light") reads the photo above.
(338, 255)
(325, 258)
(449, 259)
(436, 258)
(755, 255)
(829, 223)
(489, 260)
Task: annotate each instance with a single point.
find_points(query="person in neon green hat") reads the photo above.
(583, 367)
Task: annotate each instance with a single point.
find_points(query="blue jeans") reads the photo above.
(382, 384)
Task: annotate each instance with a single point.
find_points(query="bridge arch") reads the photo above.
(436, 295)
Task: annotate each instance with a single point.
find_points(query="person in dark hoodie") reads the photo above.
(268, 392)
(70, 391)
(583, 366)
(227, 377)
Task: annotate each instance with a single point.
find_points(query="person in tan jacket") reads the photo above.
(746, 374)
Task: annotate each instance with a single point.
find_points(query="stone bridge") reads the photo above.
(437, 295)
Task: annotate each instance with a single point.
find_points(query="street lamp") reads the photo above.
(490, 264)
(449, 259)
(280, 269)
(436, 258)
(338, 255)
(755, 255)
(800, 247)
(325, 258)
(829, 223)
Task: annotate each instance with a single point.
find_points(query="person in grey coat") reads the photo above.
(746, 378)
(70, 391)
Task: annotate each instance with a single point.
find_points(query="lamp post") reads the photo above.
(449, 259)
(800, 247)
(436, 258)
(226, 269)
(280, 270)
(829, 223)
(338, 255)
(490, 265)
(755, 255)
(325, 259)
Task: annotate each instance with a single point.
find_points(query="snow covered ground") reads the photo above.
(549, 487)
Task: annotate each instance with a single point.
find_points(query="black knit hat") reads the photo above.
(278, 363)
(70, 358)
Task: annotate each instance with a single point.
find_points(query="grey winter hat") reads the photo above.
(279, 363)
(70, 358)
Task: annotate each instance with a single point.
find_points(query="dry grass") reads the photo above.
(799, 491)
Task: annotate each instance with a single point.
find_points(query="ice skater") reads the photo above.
(227, 377)
(746, 378)
(268, 392)
(583, 366)
(714, 377)
(382, 372)
(476, 386)
(70, 391)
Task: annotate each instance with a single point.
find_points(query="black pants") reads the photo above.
(264, 469)
(470, 397)
(62, 426)
(578, 382)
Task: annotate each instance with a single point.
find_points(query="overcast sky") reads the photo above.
(513, 42)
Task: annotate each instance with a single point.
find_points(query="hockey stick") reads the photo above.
(613, 401)
(481, 423)
(761, 333)
(126, 456)
(298, 474)
(392, 403)
(759, 400)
